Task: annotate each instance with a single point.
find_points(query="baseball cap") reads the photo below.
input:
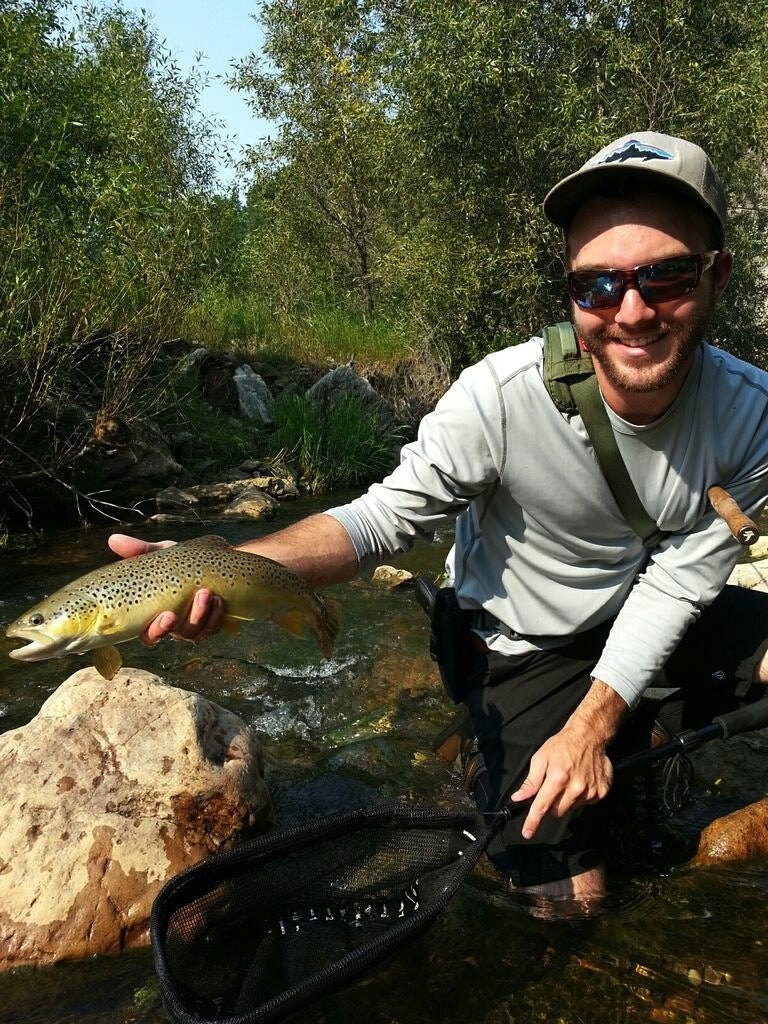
(678, 166)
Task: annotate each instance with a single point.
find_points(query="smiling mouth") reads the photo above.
(626, 343)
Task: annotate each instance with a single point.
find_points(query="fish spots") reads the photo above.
(65, 783)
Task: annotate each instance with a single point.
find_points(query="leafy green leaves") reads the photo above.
(418, 138)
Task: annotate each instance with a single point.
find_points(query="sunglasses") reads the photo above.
(656, 282)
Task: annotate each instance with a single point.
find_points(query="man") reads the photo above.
(571, 624)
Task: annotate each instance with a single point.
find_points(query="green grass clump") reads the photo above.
(342, 446)
(242, 321)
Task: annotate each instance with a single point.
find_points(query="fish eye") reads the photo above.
(37, 619)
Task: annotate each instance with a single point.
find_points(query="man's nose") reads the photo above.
(634, 311)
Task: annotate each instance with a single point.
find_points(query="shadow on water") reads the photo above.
(687, 948)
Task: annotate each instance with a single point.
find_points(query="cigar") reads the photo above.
(744, 529)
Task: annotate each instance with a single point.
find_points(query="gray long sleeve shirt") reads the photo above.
(540, 542)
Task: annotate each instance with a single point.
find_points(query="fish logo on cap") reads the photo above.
(634, 150)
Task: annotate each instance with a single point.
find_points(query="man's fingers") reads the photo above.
(159, 627)
(537, 770)
(130, 547)
(202, 618)
(542, 803)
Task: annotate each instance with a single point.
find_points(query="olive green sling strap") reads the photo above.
(569, 377)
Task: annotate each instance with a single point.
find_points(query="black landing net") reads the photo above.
(250, 935)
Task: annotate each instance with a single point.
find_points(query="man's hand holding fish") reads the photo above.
(205, 613)
(318, 549)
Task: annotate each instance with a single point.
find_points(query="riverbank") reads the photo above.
(202, 416)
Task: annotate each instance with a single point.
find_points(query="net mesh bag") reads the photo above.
(250, 935)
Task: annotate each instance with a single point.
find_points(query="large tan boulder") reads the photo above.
(109, 791)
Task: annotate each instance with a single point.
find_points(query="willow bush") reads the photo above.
(105, 182)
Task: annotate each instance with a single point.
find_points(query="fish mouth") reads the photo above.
(39, 648)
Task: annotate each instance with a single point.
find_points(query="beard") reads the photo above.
(645, 374)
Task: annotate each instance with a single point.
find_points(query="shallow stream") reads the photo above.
(689, 947)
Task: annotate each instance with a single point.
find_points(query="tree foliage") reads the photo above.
(432, 129)
(105, 226)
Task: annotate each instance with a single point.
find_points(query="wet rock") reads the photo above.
(740, 836)
(391, 577)
(256, 401)
(277, 486)
(252, 503)
(165, 517)
(109, 791)
(137, 464)
(199, 494)
(173, 497)
(212, 495)
(344, 381)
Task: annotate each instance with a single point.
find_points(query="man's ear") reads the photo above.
(722, 271)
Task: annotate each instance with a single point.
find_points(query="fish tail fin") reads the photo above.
(326, 624)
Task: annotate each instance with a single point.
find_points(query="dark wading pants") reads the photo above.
(517, 702)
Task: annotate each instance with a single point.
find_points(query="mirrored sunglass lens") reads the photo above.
(596, 291)
(668, 279)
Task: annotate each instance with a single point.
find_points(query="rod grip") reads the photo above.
(752, 716)
(744, 529)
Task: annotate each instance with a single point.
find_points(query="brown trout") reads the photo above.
(115, 603)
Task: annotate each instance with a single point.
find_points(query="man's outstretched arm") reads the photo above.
(317, 548)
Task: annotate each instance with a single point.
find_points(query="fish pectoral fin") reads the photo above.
(231, 624)
(107, 661)
(294, 622)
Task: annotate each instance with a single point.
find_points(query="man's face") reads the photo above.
(639, 348)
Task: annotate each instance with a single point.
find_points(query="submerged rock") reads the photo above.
(109, 791)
